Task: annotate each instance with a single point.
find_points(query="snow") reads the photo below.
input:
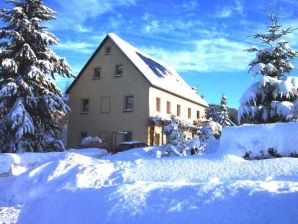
(9, 64)
(285, 109)
(284, 92)
(17, 163)
(90, 186)
(270, 68)
(170, 81)
(90, 141)
(255, 138)
(9, 89)
(287, 87)
(258, 68)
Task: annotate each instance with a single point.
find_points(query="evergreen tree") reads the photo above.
(274, 97)
(30, 103)
(223, 114)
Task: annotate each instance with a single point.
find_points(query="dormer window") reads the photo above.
(118, 70)
(96, 74)
(108, 50)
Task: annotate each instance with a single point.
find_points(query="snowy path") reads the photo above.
(75, 188)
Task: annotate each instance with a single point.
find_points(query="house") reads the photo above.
(120, 89)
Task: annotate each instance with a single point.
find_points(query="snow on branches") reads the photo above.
(30, 102)
(273, 97)
(222, 116)
(176, 143)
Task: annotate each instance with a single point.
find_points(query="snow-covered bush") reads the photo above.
(91, 141)
(31, 105)
(274, 97)
(261, 141)
(210, 131)
(176, 143)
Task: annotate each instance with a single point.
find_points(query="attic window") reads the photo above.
(118, 70)
(108, 50)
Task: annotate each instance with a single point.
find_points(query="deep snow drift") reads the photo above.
(282, 137)
(135, 187)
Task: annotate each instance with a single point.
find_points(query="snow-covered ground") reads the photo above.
(135, 187)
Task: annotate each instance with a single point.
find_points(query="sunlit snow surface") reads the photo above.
(135, 187)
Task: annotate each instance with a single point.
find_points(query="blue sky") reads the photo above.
(203, 40)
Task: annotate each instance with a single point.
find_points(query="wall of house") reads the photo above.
(95, 122)
(174, 100)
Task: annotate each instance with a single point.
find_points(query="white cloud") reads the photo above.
(189, 5)
(225, 12)
(80, 46)
(152, 27)
(209, 55)
(73, 13)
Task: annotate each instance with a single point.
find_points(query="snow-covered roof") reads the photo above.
(156, 72)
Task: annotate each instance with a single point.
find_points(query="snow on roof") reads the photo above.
(156, 72)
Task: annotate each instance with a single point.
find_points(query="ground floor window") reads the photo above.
(128, 137)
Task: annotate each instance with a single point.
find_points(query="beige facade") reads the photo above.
(106, 103)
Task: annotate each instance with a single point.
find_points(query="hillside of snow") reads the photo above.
(89, 186)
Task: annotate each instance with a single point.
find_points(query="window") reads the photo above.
(96, 74)
(157, 104)
(108, 50)
(127, 137)
(189, 113)
(83, 135)
(178, 110)
(168, 107)
(198, 114)
(105, 104)
(85, 106)
(128, 104)
(118, 70)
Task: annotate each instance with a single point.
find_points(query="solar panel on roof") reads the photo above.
(157, 68)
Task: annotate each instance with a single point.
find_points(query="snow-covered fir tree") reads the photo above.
(222, 116)
(274, 97)
(31, 105)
